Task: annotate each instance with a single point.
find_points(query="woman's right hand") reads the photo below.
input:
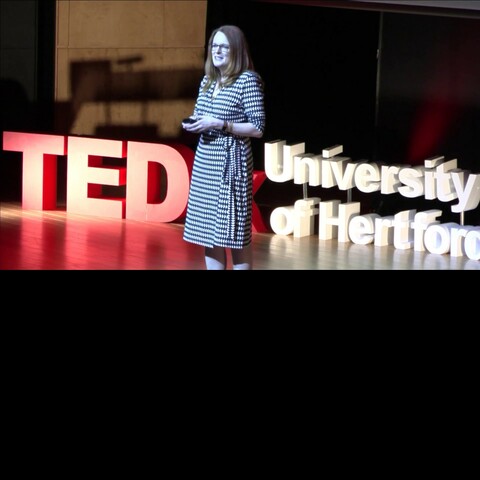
(203, 124)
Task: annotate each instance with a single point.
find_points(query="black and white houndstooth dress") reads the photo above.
(219, 209)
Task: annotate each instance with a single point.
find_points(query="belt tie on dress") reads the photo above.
(232, 169)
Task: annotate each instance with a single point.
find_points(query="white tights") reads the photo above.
(216, 258)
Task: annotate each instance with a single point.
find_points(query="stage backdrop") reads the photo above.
(391, 86)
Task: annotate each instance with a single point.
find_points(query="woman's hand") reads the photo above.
(203, 124)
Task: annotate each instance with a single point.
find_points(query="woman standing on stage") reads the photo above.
(229, 111)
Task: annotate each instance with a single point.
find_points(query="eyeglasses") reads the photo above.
(222, 46)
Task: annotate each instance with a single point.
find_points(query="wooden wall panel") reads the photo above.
(128, 69)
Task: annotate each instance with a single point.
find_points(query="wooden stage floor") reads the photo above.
(57, 240)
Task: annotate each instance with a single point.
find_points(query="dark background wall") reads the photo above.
(390, 86)
(27, 46)
(429, 97)
(320, 68)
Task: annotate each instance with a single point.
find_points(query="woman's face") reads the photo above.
(220, 51)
